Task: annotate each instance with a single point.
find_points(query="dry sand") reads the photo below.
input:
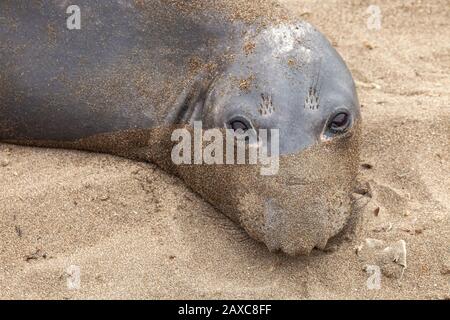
(136, 232)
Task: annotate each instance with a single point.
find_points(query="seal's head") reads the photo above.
(286, 77)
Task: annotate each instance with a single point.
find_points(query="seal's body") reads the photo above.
(138, 69)
(126, 68)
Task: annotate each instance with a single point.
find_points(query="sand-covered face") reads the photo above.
(301, 207)
(307, 203)
(286, 78)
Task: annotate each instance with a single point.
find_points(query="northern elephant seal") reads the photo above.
(137, 70)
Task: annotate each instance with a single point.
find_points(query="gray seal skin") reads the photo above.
(139, 69)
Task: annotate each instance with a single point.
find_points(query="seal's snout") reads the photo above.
(307, 202)
(280, 234)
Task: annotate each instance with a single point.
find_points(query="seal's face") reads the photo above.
(288, 78)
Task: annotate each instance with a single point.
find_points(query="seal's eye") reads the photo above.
(340, 122)
(239, 125)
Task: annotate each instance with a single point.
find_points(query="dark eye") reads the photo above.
(240, 125)
(340, 122)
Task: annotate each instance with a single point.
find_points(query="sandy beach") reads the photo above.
(132, 231)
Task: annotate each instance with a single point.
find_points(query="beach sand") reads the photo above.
(133, 231)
